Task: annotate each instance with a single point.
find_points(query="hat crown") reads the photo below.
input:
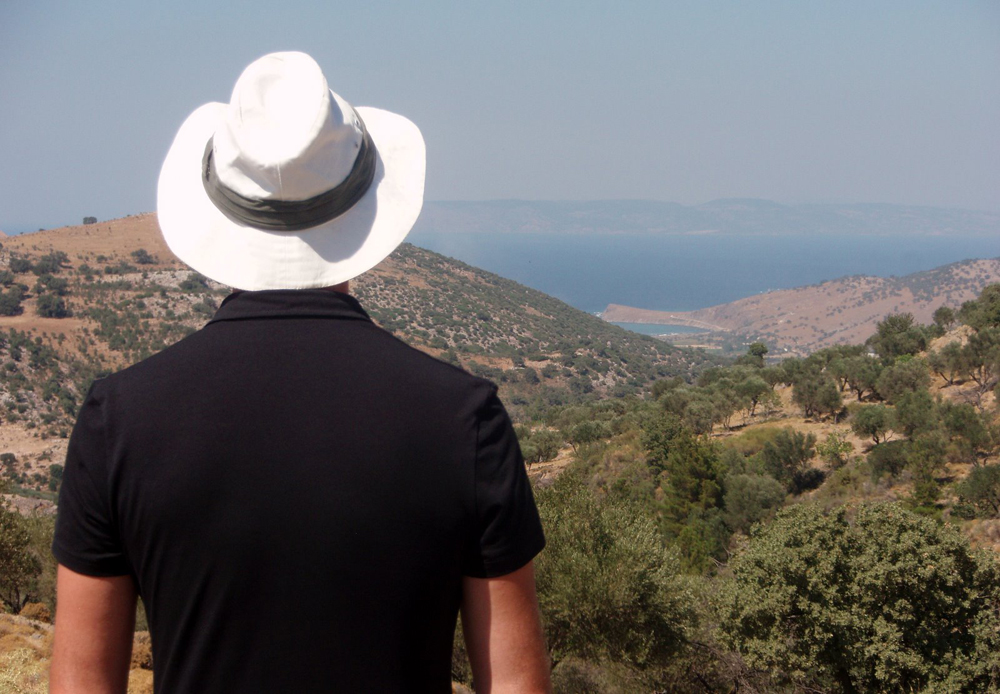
(286, 135)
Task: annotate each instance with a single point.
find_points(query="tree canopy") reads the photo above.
(882, 601)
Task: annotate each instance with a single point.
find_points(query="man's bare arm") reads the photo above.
(95, 618)
(503, 634)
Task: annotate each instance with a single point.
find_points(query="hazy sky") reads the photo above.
(802, 101)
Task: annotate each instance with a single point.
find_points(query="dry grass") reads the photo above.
(26, 649)
(985, 534)
(114, 239)
(37, 611)
(23, 672)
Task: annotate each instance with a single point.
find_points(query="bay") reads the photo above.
(656, 328)
(687, 272)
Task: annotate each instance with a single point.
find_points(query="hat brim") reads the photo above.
(247, 258)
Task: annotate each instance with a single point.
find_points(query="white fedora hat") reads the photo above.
(288, 186)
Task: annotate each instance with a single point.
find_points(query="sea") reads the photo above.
(687, 272)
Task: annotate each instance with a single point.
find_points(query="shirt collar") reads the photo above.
(289, 303)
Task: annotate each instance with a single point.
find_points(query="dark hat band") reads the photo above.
(293, 215)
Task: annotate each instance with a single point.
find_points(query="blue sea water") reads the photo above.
(683, 273)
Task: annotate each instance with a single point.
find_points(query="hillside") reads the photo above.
(843, 311)
(114, 294)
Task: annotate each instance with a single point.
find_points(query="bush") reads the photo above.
(915, 413)
(194, 283)
(983, 312)
(806, 480)
(57, 285)
(18, 564)
(143, 257)
(787, 453)
(905, 376)
(19, 265)
(10, 302)
(887, 601)
(835, 450)
(607, 586)
(981, 489)
(750, 499)
(541, 446)
(872, 422)
(817, 394)
(898, 335)
(51, 306)
(889, 458)
(50, 264)
(37, 611)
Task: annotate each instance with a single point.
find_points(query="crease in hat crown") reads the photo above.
(285, 135)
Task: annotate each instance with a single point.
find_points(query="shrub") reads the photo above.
(898, 335)
(51, 306)
(37, 611)
(541, 446)
(143, 257)
(194, 283)
(50, 264)
(607, 586)
(787, 453)
(915, 413)
(19, 265)
(10, 302)
(749, 499)
(889, 457)
(983, 312)
(816, 394)
(905, 376)
(887, 601)
(835, 450)
(18, 563)
(872, 422)
(981, 489)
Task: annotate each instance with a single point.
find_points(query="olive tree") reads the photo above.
(872, 422)
(905, 376)
(898, 335)
(19, 566)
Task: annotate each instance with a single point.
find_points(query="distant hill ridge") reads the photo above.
(733, 215)
(841, 311)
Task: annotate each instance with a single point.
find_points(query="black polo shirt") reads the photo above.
(297, 495)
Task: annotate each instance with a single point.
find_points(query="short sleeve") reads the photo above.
(86, 539)
(509, 532)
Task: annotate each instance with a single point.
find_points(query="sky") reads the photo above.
(797, 102)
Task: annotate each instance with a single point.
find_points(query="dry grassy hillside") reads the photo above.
(844, 311)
